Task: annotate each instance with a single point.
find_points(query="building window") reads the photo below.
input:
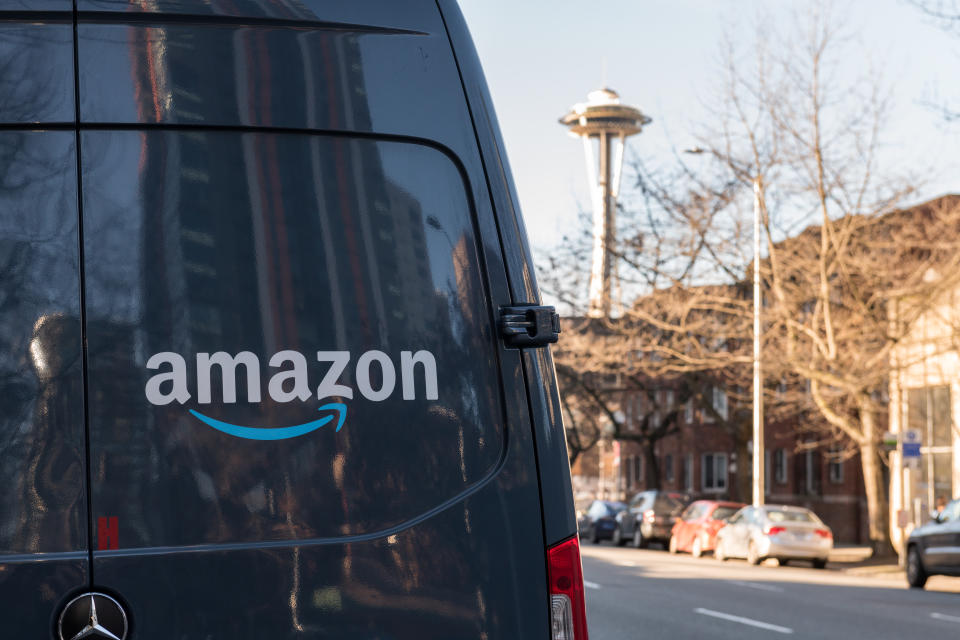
(767, 472)
(780, 466)
(688, 472)
(811, 468)
(638, 469)
(714, 472)
(928, 411)
(668, 468)
(688, 411)
(720, 402)
(835, 467)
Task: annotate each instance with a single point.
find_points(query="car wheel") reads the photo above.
(820, 563)
(697, 549)
(753, 556)
(638, 540)
(916, 574)
(617, 538)
(672, 545)
(782, 562)
(719, 552)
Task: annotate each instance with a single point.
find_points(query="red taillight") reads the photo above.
(823, 533)
(772, 531)
(649, 515)
(568, 613)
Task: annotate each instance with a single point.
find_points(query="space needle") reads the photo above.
(604, 125)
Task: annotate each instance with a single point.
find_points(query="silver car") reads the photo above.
(775, 531)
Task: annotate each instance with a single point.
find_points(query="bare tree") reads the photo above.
(808, 144)
(946, 15)
(791, 131)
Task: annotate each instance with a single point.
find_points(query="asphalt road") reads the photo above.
(634, 593)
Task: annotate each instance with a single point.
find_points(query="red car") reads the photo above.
(696, 529)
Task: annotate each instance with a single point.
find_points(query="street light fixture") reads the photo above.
(758, 445)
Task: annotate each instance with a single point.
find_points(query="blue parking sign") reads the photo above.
(911, 443)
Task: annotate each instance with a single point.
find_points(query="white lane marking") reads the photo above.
(627, 563)
(747, 621)
(590, 585)
(943, 616)
(756, 585)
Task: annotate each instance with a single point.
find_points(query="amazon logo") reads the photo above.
(289, 382)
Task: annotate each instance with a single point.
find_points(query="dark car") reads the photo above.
(934, 548)
(649, 517)
(273, 361)
(599, 520)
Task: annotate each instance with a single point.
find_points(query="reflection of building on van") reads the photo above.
(268, 218)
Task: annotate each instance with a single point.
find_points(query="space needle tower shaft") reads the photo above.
(604, 124)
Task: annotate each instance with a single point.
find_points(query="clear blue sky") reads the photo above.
(542, 56)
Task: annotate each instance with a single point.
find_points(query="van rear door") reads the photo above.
(43, 506)
(302, 420)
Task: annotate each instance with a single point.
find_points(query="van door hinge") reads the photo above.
(529, 326)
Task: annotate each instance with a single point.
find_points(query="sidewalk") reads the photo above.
(856, 561)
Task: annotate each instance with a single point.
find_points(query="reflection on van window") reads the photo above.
(338, 254)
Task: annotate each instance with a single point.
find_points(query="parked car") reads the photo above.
(695, 531)
(649, 517)
(775, 531)
(934, 548)
(599, 520)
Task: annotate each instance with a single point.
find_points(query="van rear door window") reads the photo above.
(289, 335)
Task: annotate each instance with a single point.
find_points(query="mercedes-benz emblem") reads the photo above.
(93, 615)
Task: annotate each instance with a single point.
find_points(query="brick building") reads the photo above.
(701, 459)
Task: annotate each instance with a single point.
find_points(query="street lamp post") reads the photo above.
(758, 445)
(758, 448)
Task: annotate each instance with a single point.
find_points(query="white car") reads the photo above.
(775, 531)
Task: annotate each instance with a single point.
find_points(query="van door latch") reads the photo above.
(529, 326)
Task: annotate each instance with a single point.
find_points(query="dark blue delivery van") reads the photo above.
(272, 364)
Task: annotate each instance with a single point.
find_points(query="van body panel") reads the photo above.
(546, 416)
(43, 508)
(512, 230)
(382, 14)
(464, 573)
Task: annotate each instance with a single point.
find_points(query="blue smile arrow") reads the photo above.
(276, 433)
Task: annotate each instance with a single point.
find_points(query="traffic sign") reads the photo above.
(911, 449)
(911, 443)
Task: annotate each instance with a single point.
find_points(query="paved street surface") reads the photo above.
(639, 593)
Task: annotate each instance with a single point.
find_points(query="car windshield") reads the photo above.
(722, 513)
(670, 503)
(614, 507)
(793, 515)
